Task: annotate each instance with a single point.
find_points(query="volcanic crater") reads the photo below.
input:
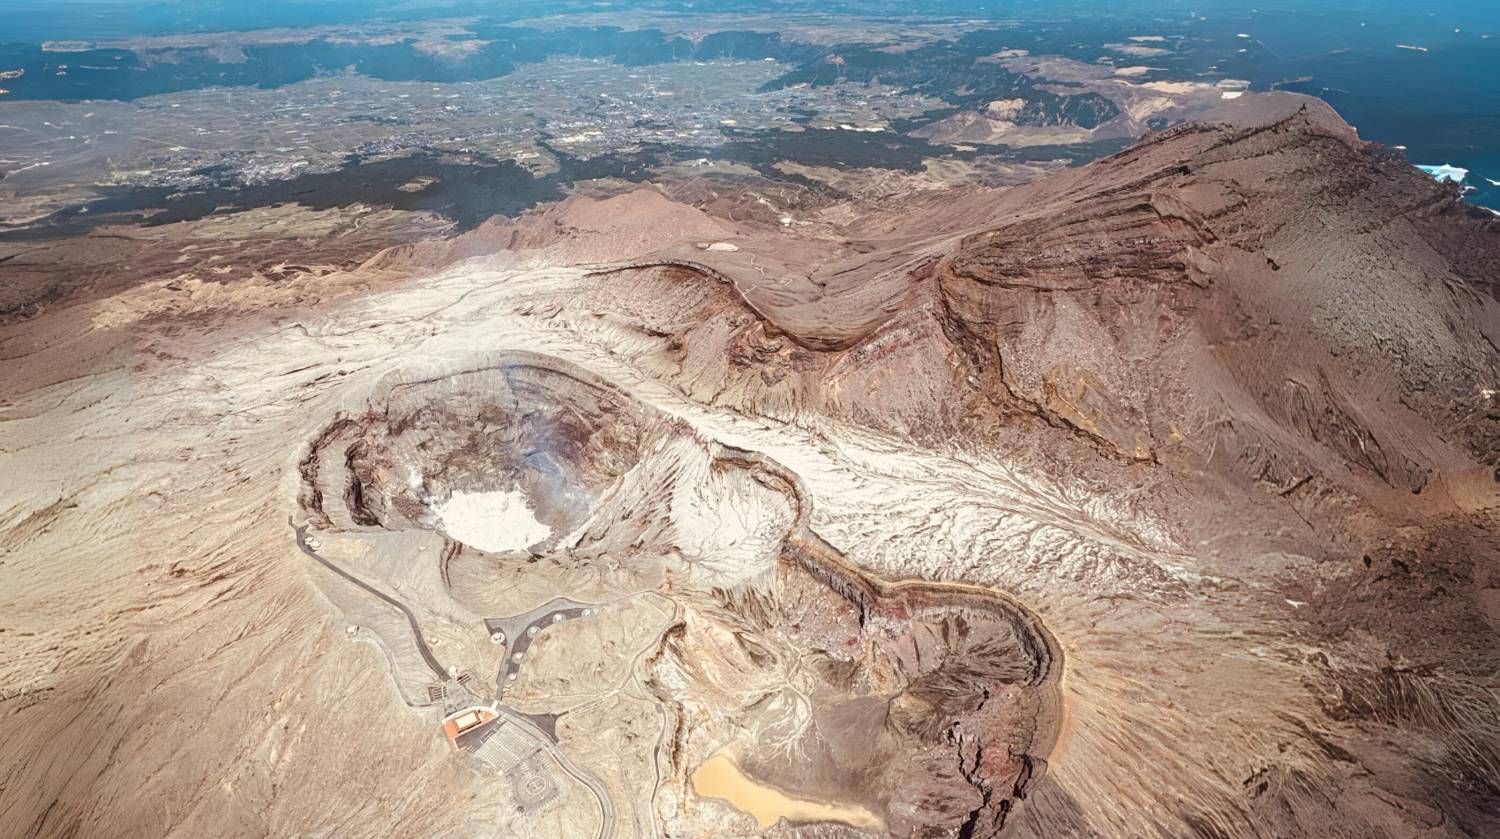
(930, 705)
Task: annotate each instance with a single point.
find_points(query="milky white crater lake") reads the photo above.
(494, 520)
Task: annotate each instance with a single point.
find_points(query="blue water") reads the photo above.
(1442, 104)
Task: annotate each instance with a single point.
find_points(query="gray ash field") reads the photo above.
(750, 422)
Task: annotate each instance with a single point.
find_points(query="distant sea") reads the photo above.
(1441, 101)
(1423, 74)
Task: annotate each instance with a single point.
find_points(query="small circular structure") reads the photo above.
(497, 637)
(533, 787)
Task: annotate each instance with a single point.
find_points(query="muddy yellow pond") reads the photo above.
(720, 777)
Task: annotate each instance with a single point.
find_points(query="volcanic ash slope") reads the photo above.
(1219, 409)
